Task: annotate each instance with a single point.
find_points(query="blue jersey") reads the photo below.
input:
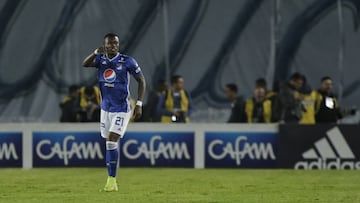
(114, 79)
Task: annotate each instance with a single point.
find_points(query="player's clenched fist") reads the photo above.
(137, 113)
(99, 50)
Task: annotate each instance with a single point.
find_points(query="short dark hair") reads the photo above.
(175, 78)
(297, 76)
(233, 87)
(325, 78)
(110, 35)
(260, 82)
(89, 90)
(73, 88)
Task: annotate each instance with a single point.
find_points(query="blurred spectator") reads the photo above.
(326, 105)
(258, 108)
(70, 106)
(90, 103)
(175, 104)
(270, 95)
(151, 114)
(308, 102)
(261, 82)
(291, 108)
(237, 104)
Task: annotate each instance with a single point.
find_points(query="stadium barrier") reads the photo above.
(183, 145)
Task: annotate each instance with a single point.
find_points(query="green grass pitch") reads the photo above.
(179, 185)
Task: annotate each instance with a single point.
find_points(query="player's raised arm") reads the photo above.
(141, 91)
(89, 61)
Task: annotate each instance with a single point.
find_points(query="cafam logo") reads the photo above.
(156, 149)
(254, 150)
(80, 150)
(8, 151)
(330, 152)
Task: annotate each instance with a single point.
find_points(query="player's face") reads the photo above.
(112, 45)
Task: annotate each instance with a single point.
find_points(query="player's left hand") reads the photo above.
(137, 113)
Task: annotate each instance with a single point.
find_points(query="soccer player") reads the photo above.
(113, 74)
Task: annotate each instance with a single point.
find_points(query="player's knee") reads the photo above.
(113, 137)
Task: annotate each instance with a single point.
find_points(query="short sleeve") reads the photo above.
(97, 60)
(133, 67)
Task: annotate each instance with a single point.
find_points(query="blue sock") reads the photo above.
(112, 156)
(108, 162)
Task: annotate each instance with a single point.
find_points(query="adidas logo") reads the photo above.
(330, 152)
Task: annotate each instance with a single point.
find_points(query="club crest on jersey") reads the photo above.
(109, 75)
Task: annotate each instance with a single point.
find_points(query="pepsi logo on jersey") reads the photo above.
(109, 75)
